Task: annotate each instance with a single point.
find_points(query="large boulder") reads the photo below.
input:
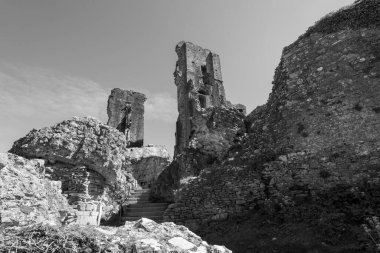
(27, 197)
(140, 236)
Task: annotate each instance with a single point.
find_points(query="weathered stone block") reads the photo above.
(126, 113)
(27, 197)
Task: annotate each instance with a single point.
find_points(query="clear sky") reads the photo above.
(61, 58)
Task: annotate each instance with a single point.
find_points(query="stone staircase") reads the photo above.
(139, 206)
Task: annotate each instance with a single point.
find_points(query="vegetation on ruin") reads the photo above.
(362, 14)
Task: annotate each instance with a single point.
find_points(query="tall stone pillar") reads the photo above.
(126, 113)
(198, 78)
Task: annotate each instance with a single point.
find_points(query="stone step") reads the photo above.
(143, 214)
(138, 206)
(149, 204)
(137, 202)
(140, 195)
(141, 191)
(144, 209)
(137, 198)
(135, 218)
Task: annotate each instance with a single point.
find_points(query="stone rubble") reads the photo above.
(142, 236)
(26, 196)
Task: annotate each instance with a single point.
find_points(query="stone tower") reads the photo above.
(198, 78)
(126, 113)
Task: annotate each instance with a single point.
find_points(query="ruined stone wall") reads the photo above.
(147, 163)
(27, 197)
(314, 146)
(85, 189)
(201, 99)
(219, 128)
(325, 94)
(126, 113)
(216, 195)
(199, 84)
(204, 112)
(97, 169)
(207, 124)
(335, 185)
(78, 182)
(88, 156)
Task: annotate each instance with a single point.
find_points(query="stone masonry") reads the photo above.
(206, 121)
(90, 160)
(84, 188)
(198, 78)
(207, 126)
(97, 165)
(216, 195)
(312, 151)
(26, 196)
(147, 163)
(126, 113)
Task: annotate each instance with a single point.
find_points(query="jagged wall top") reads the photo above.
(197, 56)
(200, 70)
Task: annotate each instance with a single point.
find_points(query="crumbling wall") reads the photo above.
(126, 113)
(198, 78)
(219, 129)
(97, 169)
(325, 94)
(315, 144)
(147, 163)
(78, 182)
(27, 197)
(215, 195)
(204, 113)
(336, 186)
(84, 188)
(207, 124)
(90, 159)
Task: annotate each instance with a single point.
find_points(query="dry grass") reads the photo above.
(45, 238)
(361, 14)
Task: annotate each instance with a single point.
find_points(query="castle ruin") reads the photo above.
(207, 125)
(199, 82)
(126, 113)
